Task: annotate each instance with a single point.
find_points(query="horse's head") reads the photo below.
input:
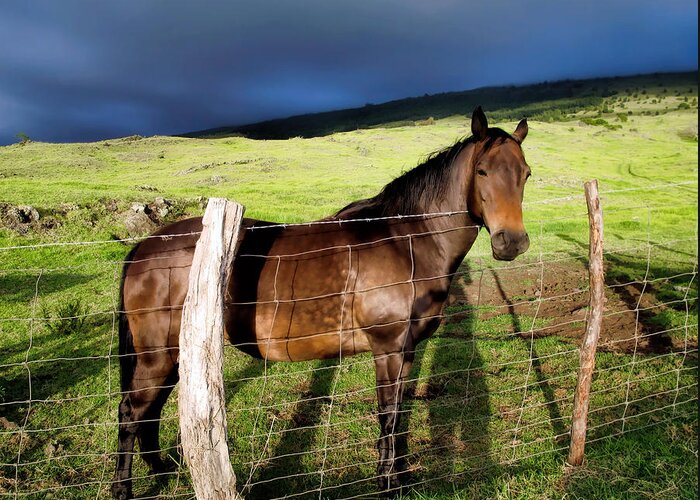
(499, 175)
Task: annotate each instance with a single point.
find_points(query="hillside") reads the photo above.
(623, 138)
(544, 101)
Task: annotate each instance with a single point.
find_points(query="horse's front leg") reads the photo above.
(392, 370)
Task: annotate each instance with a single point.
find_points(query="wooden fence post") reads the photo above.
(201, 402)
(595, 319)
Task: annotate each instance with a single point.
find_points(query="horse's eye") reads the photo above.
(481, 172)
(528, 175)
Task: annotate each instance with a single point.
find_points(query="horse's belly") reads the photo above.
(297, 330)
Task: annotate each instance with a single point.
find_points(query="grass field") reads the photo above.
(492, 391)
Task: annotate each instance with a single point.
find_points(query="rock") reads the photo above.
(21, 218)
(23, 214)
(161, 207)
(139, 224)
(140, 208)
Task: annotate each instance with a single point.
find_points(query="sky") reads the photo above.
(87, 70)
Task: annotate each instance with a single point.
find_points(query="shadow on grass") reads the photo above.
(56, 365)
(457, 400)
(547, 392)
(625, 275)
(56, 406)
(21, 287)
(288, 470)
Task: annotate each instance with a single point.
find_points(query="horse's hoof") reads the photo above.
(121, 491)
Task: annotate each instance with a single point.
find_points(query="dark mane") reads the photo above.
(413, 190)
(409, 192)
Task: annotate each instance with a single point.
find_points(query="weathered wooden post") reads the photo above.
(595, 319)
(201, 401)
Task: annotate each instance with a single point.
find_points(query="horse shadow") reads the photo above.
(37, 340)
(288, 468)
(457, 399)
(50, 376)
(555, 416)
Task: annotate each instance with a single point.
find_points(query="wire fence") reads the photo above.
(492, 390)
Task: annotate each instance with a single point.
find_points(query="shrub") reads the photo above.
(600, 122)
(69, 320)
(550, 115)
(428, 121)
(23, 138)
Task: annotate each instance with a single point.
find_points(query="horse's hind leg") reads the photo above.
(148, 432)
(121, 485)
(139, 417)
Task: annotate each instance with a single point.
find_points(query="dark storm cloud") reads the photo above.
(82, 70)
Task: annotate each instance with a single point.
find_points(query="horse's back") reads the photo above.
(320, 290)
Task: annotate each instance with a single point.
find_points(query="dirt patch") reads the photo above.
(553, 300)
(25, 219)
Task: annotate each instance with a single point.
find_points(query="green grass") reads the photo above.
(485, 422)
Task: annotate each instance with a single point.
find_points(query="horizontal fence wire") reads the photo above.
(492, 388)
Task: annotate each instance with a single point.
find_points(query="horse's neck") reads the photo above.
(455, 232)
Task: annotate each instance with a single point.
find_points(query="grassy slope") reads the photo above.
(303, 179)
(539, 101)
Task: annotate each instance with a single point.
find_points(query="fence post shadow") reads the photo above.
(547, 392)
(629, 291)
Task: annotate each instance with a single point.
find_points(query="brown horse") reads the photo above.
(374, 277)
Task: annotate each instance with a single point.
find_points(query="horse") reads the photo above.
(373, 277)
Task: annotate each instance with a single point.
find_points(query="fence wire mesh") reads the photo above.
(492, 390)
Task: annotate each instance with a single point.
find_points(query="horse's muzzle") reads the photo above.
(507, 245)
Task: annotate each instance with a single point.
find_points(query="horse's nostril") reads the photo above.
(500, 239)
(510, 244)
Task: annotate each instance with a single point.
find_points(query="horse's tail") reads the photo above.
(127, 353)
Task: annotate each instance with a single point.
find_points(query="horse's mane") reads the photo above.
(413, 190)
(409, 192)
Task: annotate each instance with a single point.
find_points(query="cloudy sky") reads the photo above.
(75, 70)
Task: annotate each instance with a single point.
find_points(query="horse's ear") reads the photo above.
(520, 131)
(479, 123)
